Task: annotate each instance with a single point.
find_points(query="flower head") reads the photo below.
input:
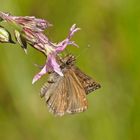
(54, 50)
(31, 32)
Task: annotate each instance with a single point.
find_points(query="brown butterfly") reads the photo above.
(67, 94)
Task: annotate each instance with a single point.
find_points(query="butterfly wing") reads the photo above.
(87, 82)
(55, 94)
(65, 94)
(77, 101)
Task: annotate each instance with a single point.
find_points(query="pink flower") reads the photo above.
(31, 32)
(51, 62)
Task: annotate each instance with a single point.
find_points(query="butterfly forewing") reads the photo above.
(77, 101)
(87, 82)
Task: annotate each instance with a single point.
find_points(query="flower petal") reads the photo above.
(73, 29)
(40, 74)
(55, 66)
(62, 45)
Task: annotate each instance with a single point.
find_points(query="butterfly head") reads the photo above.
(67, 61)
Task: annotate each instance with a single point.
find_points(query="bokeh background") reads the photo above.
(109, 51)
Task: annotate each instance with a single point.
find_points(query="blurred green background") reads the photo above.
(112, 30)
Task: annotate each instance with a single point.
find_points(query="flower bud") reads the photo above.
(5, 36)
(21, 40)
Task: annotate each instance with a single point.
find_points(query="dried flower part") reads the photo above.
(21, 40)
(5, 36)
(37, 39)
(30, 36)
(35, 24)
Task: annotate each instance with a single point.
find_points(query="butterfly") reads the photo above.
(67, 94)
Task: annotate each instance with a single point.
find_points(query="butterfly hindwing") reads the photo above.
(55, 94)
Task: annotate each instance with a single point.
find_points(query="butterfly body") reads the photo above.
(67, 94)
